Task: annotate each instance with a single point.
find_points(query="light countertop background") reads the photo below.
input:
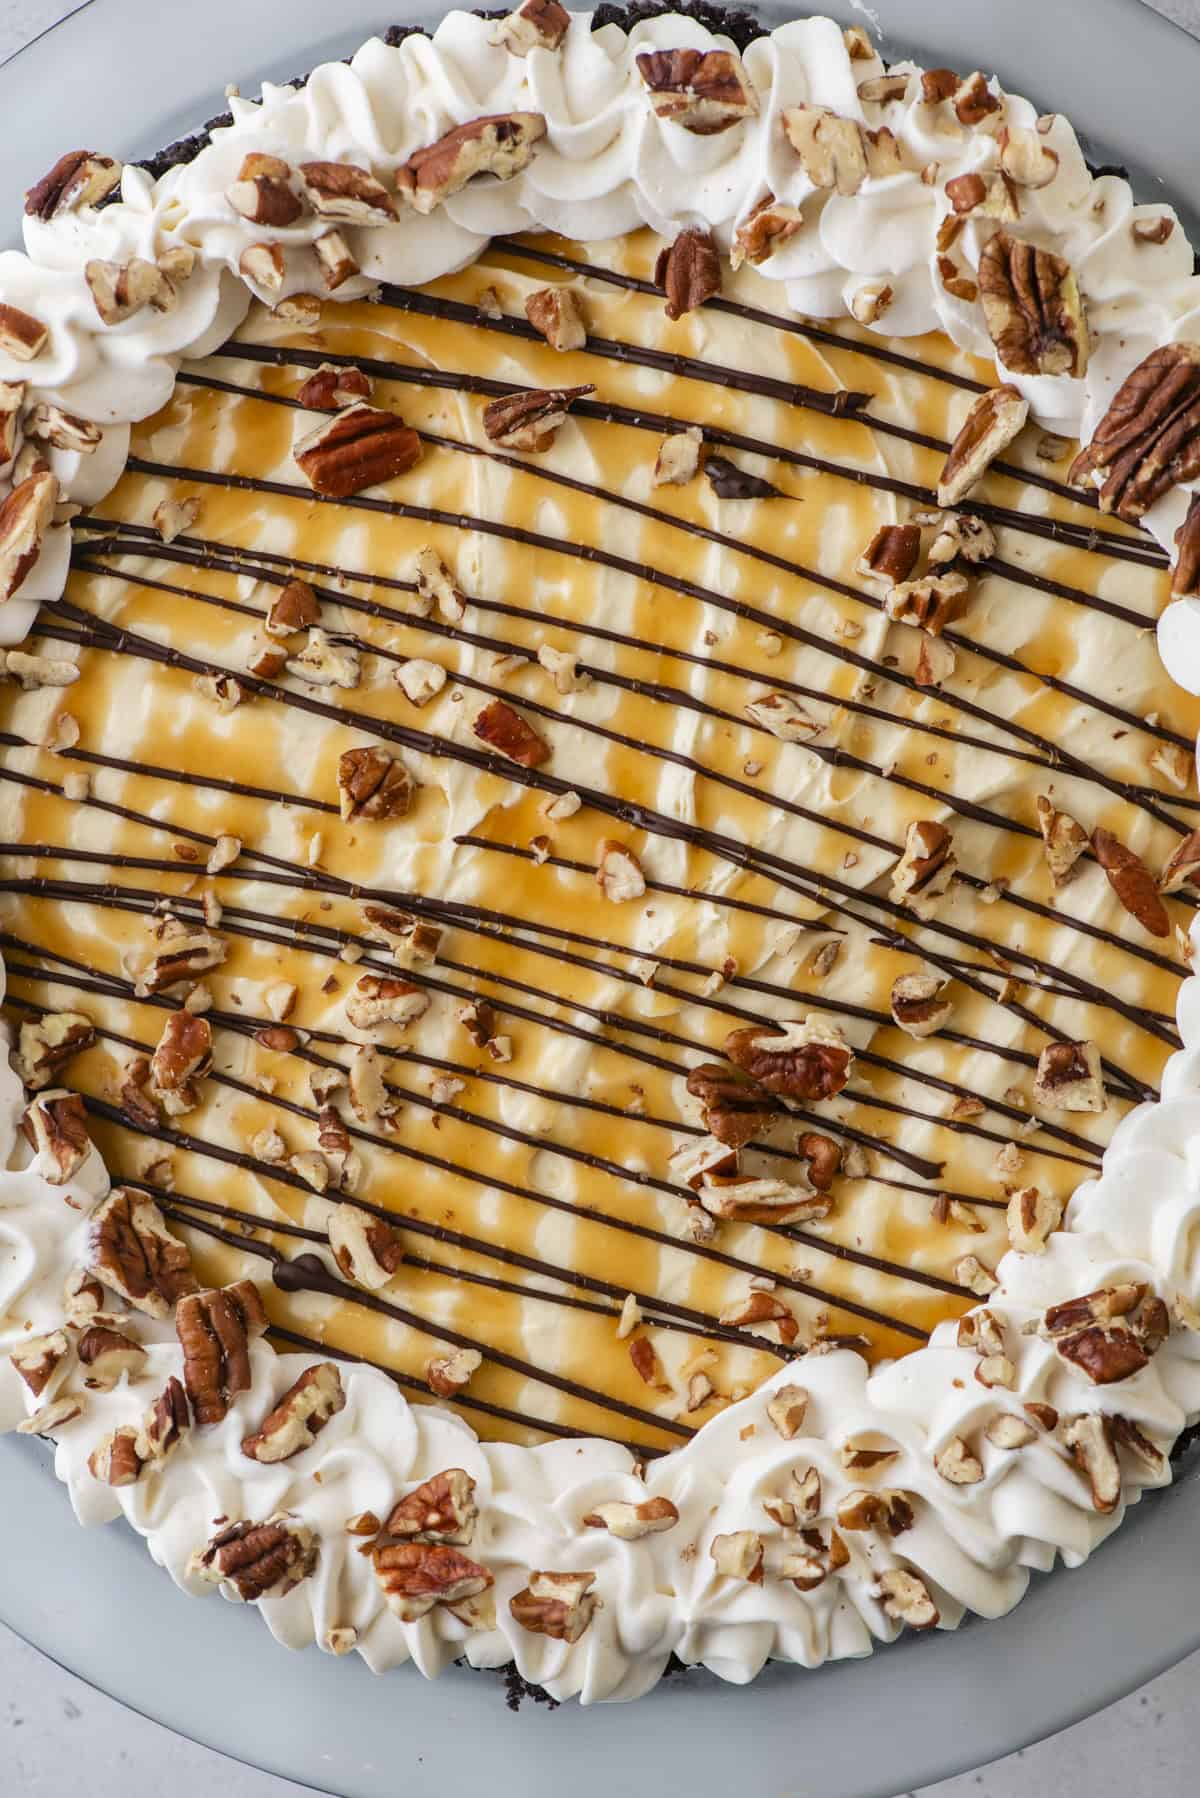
(58, 1737)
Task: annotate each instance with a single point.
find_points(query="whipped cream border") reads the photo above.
(609, 165)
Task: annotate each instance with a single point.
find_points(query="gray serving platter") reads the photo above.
(128, 76)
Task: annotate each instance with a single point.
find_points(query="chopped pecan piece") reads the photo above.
(787, 1408)
(359, 447)
(560, 1605)
(1025, 158)
(535, 25)
(955, 1463)
(804, 1060)
(119, 290)
(705, 91)
(1183, 866)
(22, 336)
(505, 731)
(215, 1330)
(186, 952)
(500, 144)
(1063, 840)
(892, 553)
(1008, 1431)
(1149, 439)
(679, 458)
(45, 1045)
(442, 1509)
(131, 1249)
(368, 1251)
(347, 193)
(335, 259)
(1089, 1442)
(80, 178)
(736, 1109)
(618, 872)
(115, 1460)
(820, 1157)
(295, 608)
(331, 388)
(107, 1355)
(372, 784)
(1032, 1218)
(265, 193)
(555, 312)
(323, 662)
(927, 867)
(164, 1424)
(1069, 1078)
(415, 1576)
(53, 1416)
(993, 421)
(56, 1127)
(961, 537)
(183, 1056)
(448, 1375)
(831, 149)
(263, 265)
(1132, 882)
(630, 1522)
(377, 999)
(301, 1414)
(61, 430)
(764, 229)
(688, 271)
(932, 602)
(530, 420)
(25, 516)
(1032, 308)
(40, 1361)
(935, 662)
(917, 1005)
(738, 1556)
(257, 1560)
(744, 1199)
(784, 717)
(906, 1597)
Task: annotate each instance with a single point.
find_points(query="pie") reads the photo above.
(599, 850)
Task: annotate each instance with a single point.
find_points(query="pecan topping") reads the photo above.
(258, 1560)
(25, 516)
(264, 192)
(131, 1249)
(183, 1056)
(294, 608)
(932, 602)
(115, 1460)
(56, 1127)
(121, 289)
(705, 91)
(80, 178)
(560, 1605)
(1132, 882)
(688, 271)
(821, 1158)
(535, 25)
(1149, 439)
(186, 953)
(22, 336)
(738, 1556)
(415, 1576)
(107, 1355)
(907, 1598)
(530, 420)
(301, 1414)
(448, 1375)
(1109, 1334)
(336, 260)
(917, 1005)
(1032, 308)
(359, 447)
(372, 784)
(679, 458)
(264, 266)
(556, 313)
(735, 1109)
(796, 1060)
(630, 1522)
(744, 1199)
(1032, 1218)
(1183, 867)
(1064, 841)
(164, 1423)
(830, 148)
(935, 663)
(1185, 573)
(215, 1329)
(961, 537)
(40, 1360)
(368, 1251)
(1025, 159)
(764, 229)
(989, 427)
(61, 430)
(347, 193)
(47, 1044)
(618, 872)
(728, 481)
(927, 867)
(443, 1509)
(377, 999)
(500, 144)
(505, 731)
(787, 1408)
(331, 388)
(1089, 1442)
(892, 553)
(1068, 1078)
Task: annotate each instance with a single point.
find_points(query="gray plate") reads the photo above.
(112, 76)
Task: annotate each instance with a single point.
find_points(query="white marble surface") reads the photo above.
(59, 1737)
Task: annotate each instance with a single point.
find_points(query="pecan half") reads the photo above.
(1132, 882)
(442, 1509)
(301, 1414)
(821, 1158)
(560, 1605)
(917, 1005)
(215, 1329)
(505, 731)
(831, 149)
(1063, 841)
(22, 336)
(535, 25)
(25, 517)
(1032, 308)
(56, 1128)
(807, 1059)
(927, 867)
(630, 1522)
(735, 1109)
(415, 1576)
(264, 192)
(347, 193)
(555, 312)
(377, 999)
(372, 784)
(80, 178)
(705, 91)
(892, 554)
(331, 388)
(368, 1251)
(1069, 1078)
(45, 1045)
(500, 144)
(993, 421)
(359, 447)
(131, 1249)
(688, 271)
(257, 1560)
(764, 229)
(530, 420)
(1149, 439)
